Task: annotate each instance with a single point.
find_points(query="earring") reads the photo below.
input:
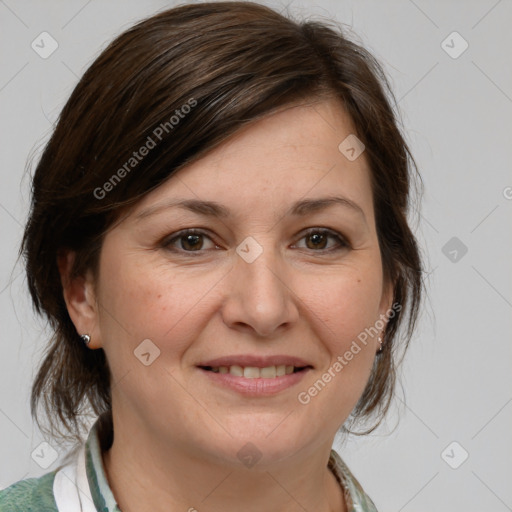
(85, 338)
(380, 347)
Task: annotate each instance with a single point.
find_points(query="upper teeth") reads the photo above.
(253, 372)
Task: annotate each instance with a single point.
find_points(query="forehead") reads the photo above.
(273, 162)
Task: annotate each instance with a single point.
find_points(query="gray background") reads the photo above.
(457, 117)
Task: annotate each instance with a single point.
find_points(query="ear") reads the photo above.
(80, 298)
(385, 308)
(386, 300)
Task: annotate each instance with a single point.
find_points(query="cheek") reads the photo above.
(345, 305)
(346, 309)
(142, 299)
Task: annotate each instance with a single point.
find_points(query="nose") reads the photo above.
(259, 296)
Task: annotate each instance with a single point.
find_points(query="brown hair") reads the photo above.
(232, 63)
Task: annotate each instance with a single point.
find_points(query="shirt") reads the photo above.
(82, 486)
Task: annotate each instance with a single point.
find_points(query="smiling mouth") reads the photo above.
(254, 372)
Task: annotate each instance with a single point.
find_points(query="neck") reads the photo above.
(144, 475)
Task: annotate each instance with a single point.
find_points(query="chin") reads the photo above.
(262, 443)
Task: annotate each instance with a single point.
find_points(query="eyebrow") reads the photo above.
(213, 209)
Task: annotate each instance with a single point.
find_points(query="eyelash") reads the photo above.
(342, 242)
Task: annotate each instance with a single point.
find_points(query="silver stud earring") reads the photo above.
(380, 347)
(85, 338)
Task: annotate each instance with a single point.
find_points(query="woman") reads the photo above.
(218, 235)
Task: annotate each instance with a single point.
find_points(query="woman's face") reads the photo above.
(269, 278)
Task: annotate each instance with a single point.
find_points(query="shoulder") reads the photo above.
(30, 495)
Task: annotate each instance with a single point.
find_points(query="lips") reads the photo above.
(255, 376)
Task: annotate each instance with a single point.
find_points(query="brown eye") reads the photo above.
(187, 241)
(191, 242)
(318, 240)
